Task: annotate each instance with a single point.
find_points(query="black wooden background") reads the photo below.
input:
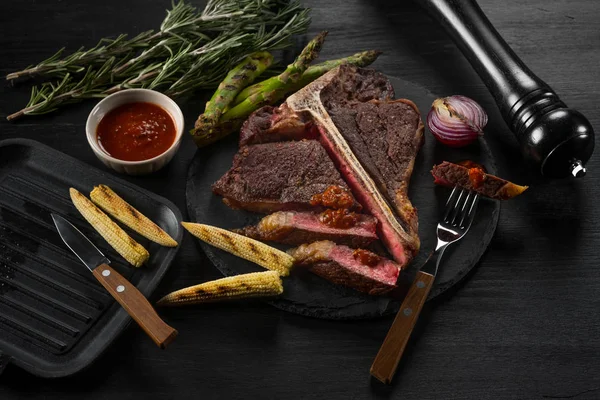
(526, 323)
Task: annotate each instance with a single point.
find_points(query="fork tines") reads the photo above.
(460, 207)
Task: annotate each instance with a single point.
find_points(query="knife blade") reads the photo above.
(130, 298)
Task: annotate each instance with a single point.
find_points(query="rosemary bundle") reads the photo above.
(190, 51)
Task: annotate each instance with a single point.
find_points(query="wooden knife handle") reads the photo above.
(134, 302)
(388, 357)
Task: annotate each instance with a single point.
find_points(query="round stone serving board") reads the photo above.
(310, 295)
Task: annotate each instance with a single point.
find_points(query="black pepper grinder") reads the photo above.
(558, 139)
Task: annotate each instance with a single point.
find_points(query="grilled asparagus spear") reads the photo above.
(231, 120)
(239, 77)
(313, 72)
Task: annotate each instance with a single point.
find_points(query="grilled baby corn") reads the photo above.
(250, 249)
(131, 250)
(118, 208)
(256, 284)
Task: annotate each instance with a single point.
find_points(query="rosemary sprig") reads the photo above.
(81, 59)
(49, 96)
(190, 51)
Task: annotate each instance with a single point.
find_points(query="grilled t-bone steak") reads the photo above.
(372, 139)
(359, 269)
(278, 176)
(293, 227)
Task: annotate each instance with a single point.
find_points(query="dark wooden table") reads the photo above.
(524, 325)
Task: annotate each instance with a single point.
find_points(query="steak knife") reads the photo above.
(132, 300)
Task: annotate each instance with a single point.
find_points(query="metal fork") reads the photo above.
(458, 216)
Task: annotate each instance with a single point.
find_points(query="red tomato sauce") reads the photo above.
(136, 131)
(333, 197)
(476, 173)
(477, 177)
(341, 218)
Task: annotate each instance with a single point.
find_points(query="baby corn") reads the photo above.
(109, 201)
(241, 246)
(131, 250)
(256, 284)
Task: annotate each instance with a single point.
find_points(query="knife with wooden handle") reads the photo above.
(132, 300)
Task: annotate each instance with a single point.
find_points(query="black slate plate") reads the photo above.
(310, 295)
(55, 318)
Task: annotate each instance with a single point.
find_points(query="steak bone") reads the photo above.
(401, 244)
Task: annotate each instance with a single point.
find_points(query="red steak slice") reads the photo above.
(291, 227)
(358, 269)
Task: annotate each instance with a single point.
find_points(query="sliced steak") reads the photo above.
(374, 175)
(278, 176)
(385, 136)
(358, 269)
(473, 177)
(291, 227)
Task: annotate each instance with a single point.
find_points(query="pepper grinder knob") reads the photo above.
(559, 139)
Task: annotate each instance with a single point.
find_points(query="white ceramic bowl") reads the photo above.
(131, 96)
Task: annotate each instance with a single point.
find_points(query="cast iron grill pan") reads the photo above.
(55, 318)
